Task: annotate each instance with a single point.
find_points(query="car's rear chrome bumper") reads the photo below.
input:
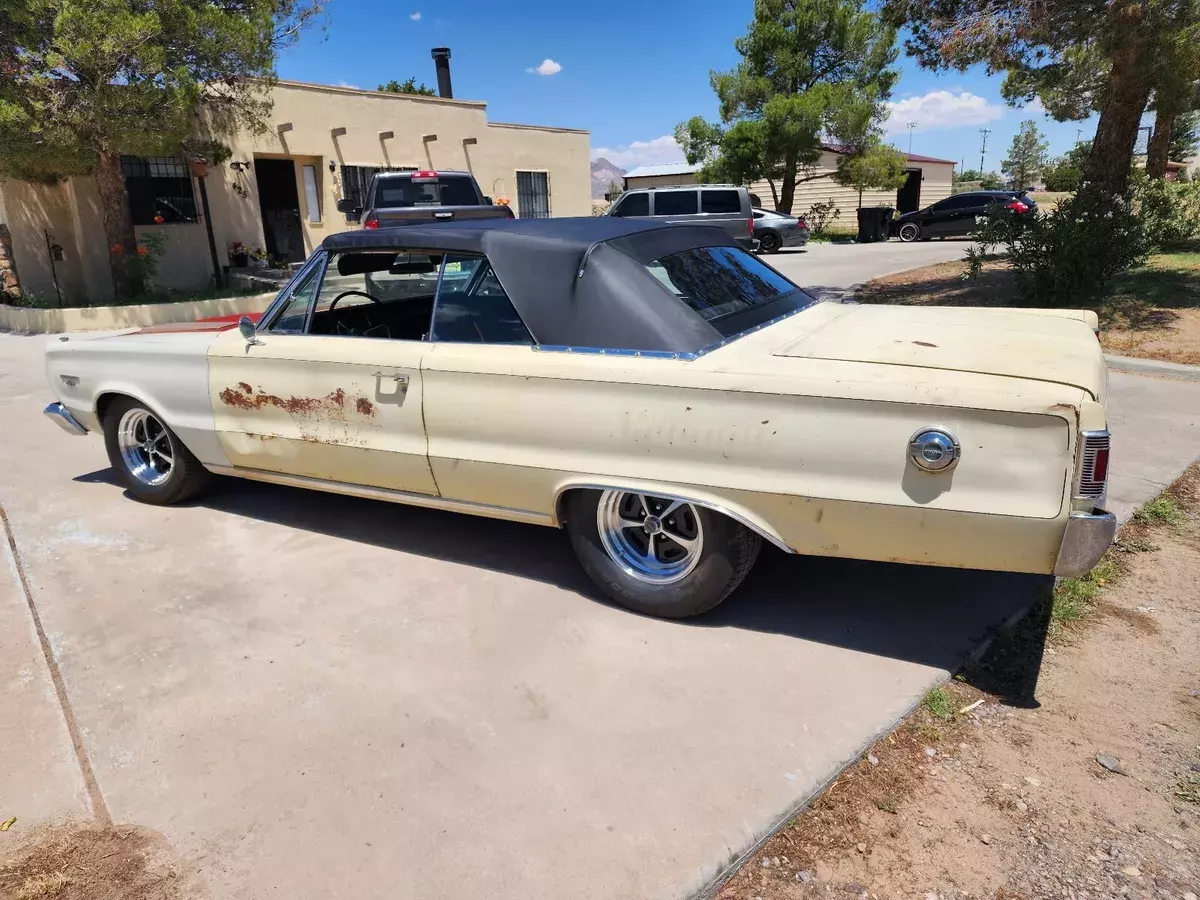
(1087, 537)
(62, 416)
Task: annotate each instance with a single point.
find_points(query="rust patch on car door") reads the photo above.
(311, 415)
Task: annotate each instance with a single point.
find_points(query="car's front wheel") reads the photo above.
(148, 456)
(658, 555)
(769, 242)
(909, 232)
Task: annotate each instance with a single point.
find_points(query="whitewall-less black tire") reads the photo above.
(657, 555)
(148, 456)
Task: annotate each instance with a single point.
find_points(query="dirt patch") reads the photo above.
(121, 862)
(364, 406)
(1004, 801)
(1172, 335)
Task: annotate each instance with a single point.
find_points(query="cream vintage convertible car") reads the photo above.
(668, 398)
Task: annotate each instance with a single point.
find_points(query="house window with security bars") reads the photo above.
(160, 190)
(356, 180)
(533, 195)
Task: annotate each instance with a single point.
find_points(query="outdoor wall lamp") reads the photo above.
(428, 137)
(286, 126)
(336, 132)
(386, 135)
(468, 142)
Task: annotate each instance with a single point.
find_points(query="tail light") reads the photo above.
(800, 223)
(371, 221)
(1093, 466)
(1016, 206)
(750, 226)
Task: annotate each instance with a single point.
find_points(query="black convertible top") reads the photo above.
(576, 282)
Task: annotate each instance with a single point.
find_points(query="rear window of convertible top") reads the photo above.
(719, 283)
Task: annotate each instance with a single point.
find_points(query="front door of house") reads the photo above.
(279, 202)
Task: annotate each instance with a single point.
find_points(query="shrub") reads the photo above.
(821, 215)
(1169, 210)
(1066, 258)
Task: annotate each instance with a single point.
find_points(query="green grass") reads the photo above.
(1074, 598)
(1162, 510)
(940, 704)
(1188, 788)
(834, 233)
(887, 806)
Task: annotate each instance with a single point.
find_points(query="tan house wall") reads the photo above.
(71, 210)
(936, 181)
(649, 181)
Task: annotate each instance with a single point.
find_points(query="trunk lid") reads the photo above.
(1057, 346)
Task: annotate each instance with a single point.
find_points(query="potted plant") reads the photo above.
(258, 257)
(239, 258)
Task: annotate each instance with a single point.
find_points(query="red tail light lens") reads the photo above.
(371, 221)
(801, 223)
(1093, 466)
(1016, 206)
(750, 226)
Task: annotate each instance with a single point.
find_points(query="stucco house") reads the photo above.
(279, 191)
(929, 180)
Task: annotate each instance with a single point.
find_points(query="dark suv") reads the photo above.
(957, 215)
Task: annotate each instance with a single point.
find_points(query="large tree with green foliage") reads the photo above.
(408, 86)
(83, 82)
(973, 179)
(1185, 136)
(811, 70)
(1066, 172)
(1078, 57)
(1026, 156)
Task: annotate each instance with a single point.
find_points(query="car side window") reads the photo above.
(633, 205)
(675, 203)
(720, 202)
(472, 307)
(293, 315)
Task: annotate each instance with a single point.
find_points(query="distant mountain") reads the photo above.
(604, 174)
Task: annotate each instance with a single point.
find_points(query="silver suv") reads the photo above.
(724, 205)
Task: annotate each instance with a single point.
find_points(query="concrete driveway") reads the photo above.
(315, 696)
(829, 269)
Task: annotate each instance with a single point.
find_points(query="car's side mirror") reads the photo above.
(246, 328)
(349, 208)
(487, 201)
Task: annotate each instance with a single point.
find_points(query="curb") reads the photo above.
(1152, 367)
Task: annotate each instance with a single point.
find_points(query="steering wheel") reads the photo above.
(352, 293)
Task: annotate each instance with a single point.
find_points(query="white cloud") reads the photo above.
(548, 67)
(941, 109)
(347, 84)
(416, 17)
(663, 149)
(1035, 108)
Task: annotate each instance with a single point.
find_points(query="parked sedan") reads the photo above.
(775, 231)
(665, 396)
(957, 215)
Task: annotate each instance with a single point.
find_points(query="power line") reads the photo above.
(983, 148)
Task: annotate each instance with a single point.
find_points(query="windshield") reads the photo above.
(727, 287)
(448, 190)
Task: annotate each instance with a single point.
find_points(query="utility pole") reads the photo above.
(983, 148)
(911, 126)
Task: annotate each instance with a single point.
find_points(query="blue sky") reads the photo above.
(547, 62)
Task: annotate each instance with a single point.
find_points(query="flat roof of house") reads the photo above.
(679, 168)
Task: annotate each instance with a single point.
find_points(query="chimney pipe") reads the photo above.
(441, 59)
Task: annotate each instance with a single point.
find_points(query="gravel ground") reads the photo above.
(1008, 799)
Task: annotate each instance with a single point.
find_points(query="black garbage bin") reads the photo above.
(874, 223)
(868, 224)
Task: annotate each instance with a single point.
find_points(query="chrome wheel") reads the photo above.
(909, 232)
(656, 540)
(145, 447)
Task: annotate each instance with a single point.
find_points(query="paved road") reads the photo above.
(826, 269)
(317, 695)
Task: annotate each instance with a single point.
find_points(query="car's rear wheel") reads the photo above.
(909, 232)
(658, 555)
(148, 456)
(769, 242)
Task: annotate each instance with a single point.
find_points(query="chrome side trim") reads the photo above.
(1085, 540)
(714, 507)
(390, 496)
(62, 417)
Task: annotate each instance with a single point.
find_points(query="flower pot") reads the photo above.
(239, 260)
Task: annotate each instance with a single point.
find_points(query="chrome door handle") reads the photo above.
(399, 379)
